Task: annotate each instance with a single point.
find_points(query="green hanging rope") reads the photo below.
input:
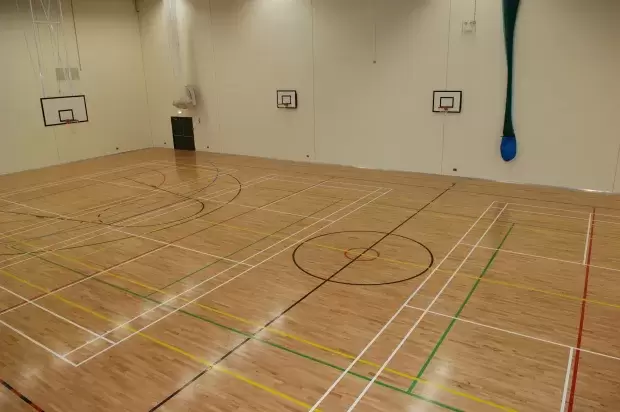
(508, 147)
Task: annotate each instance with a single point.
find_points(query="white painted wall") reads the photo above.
(112, 78)
(353, 111)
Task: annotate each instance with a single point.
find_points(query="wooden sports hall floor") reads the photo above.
(169, 281)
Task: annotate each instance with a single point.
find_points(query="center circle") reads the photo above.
(316, 253)
(362, 254)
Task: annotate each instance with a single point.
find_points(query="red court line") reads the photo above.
(22, 397)
(573, 386)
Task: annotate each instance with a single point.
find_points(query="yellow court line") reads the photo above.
(166, 345)
(337, 352)
(547, 292)
(277, 331)
(334, 351)
(403, 262)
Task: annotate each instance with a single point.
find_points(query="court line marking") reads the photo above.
(88, 277)
(523, 335)
(460, 309)
(114, 229)
(548, 258)
(99, 271)
(544, 214)
(385, 326)
(569, 217)
(327, 186)
(292, 178)
(51, 313)
(585, 247)
(146, 238)
(411, 264)
(283, 334)
(238, 275)
(266, 210)
(573, 211)
(174, 245)
(163, 344)
(146, 185)
(21, 396)
(567, 379)
(574, 262)
(218, 367)
(141, 218)
(271, 329)
(155, 192)
(71, 179)
(573, 388)
(404, 339)
(551, 208)
(39, 344)
(174, 297)
(483, 325)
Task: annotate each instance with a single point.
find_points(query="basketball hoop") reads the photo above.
(68, 122)
(444, 108)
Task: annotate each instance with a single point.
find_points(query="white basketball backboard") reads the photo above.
(64, 109)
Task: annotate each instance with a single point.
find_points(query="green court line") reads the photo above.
(251, 336)
(284, 348)
(458, 313)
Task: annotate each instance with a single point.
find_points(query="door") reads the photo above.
(183, 133)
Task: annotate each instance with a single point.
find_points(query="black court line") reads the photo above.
(173, 394)
(230, 352)
(161, 247)
(461, 180)
(322, 175)
(21, 396)
(180, 221)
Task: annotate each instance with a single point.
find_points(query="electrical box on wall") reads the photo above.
(469, 26)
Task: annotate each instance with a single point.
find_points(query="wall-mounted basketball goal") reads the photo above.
(64, 110)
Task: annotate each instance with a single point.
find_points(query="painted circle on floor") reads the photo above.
(363, 258)
(362, 254)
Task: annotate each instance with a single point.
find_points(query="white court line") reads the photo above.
(567, 379)
(341, 183)
(544, 214)
(149, 188)
(404, 339)
(238, 275)
(50, 312)
(602, 214)
(108, 270)
(574, 262)
(312, 180)
(56, 183)
(328, 186)
(551, 208)
(155, 192)
(385, 326)
(114, 229)
(101, 232)
(71, 203)
(585, 248)
(266, 210)
(483, 325)
(605, 221)
(84, 279)
(59, 356)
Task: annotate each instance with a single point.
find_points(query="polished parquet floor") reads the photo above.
(176, 281)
